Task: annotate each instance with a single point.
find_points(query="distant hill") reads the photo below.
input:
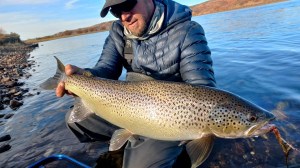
(214, 6)
(208, 7)
(69, 33)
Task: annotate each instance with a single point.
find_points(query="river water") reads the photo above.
(256, 54)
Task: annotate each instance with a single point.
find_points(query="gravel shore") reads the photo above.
(14, 65)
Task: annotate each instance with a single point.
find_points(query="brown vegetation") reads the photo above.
(69, 33)
(214, 6)
(9, 38)
(211, 6)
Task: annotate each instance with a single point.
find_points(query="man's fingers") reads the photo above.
(60, 90)
(71, 69)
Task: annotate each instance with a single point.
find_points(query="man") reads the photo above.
(166, 45)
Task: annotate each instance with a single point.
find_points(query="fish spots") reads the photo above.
(159, 104)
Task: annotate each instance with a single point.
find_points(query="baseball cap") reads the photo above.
(108, 4)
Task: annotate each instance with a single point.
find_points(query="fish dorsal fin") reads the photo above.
(134, 76)
(79, 112)
(199, 149)
(60, 65)
(119, 138)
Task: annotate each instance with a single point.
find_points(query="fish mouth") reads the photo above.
(260, 129)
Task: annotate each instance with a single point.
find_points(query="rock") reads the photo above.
(10, 84)
(8, 116)
(13, 91)
(13, 66)
(1, 115)
(13, 104)
(6, 100)
(1, 107)
(27, 75)
(5, 138)
(18, 93)
(20, 83)
(29, 95)
(22, 66)
(6, 79)
(4, 90)
(4, 148)
(25, 90)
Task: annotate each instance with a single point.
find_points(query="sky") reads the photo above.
(38, 18)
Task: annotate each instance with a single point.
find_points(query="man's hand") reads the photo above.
(69, 70)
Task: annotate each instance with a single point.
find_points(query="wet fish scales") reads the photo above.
(166, 111)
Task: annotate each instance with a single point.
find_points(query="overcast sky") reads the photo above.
(37, 18)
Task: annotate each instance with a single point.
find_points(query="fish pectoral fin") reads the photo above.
(183, 143)
(119, 138)
(199, 149)
(79, 112)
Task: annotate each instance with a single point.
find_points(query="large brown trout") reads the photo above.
(162, 110)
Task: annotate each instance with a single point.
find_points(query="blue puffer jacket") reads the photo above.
(178, 52)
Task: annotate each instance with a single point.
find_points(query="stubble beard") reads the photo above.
(142, 29)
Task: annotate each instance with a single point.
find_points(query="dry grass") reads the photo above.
(214, 6)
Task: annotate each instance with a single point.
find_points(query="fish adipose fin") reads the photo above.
(119, 138)
(52, 82)
(199, 149)
(79, 112)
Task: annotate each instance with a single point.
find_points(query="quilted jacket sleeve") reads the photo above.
(110, 63)
(196, 62)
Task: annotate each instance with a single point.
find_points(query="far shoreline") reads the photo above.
(205, 8)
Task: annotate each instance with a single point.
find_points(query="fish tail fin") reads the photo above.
(52, 82)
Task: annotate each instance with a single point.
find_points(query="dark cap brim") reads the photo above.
(108, 4)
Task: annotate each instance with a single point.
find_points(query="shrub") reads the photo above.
(9, 38)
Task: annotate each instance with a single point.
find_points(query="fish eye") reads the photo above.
(252, 118)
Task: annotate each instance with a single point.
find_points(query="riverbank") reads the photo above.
(14, 65)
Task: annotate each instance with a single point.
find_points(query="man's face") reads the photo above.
(136, 20)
